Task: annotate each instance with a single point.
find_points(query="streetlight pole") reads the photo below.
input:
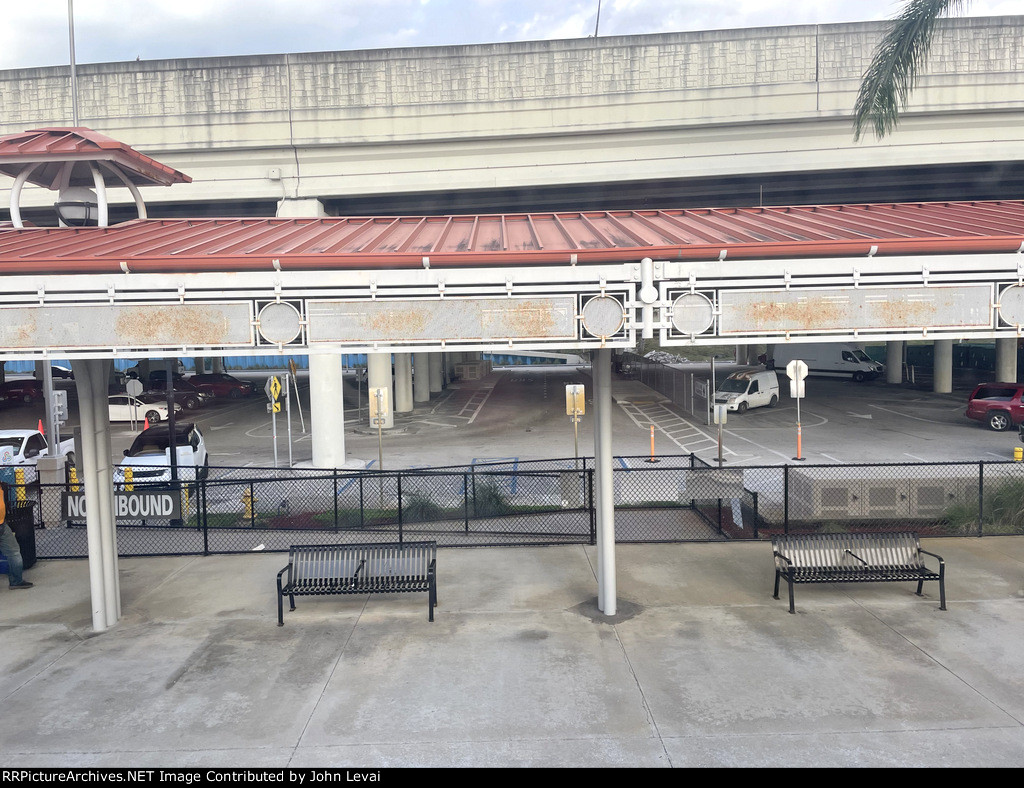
(74, 78)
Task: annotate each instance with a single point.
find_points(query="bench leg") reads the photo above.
(280, 610)
(775, 594)
(792, 608)
(942, 587)
(431, 601)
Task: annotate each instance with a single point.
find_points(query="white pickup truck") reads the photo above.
(25, 447)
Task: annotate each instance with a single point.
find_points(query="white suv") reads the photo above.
(149, 456)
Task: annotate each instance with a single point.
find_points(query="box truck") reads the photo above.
(827, 359)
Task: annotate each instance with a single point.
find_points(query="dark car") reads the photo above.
(26, 390)
(221, 385)
(185, 394)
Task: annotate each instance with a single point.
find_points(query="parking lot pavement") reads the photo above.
(699, 667)
(520, 412)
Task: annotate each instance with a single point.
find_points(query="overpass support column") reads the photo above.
(942, 366)
(893, 362)
(605, 500)
(403, 382)
(327, 406)
(1006, 360)
(421, 377)
(436, 367)
(378, 376)
(95, 465)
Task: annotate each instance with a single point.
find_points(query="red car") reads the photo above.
(220, 385)
(997, 404)
(26, 390)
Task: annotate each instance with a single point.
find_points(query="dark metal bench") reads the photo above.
(315, 570)
(853, 558)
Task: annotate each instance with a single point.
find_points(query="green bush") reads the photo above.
(417, 508)
(1002, 511)
(489, 501)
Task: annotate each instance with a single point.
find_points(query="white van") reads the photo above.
(743, 390)
(828, 359)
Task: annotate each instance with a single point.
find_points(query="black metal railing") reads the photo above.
(678, 498)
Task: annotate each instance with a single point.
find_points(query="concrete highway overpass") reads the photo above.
(716, 118)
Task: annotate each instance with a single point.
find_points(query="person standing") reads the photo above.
(9, 546)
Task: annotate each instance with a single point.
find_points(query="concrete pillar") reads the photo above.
(94, 462)
(893, 362)
(606, 592)
(327, 410)
(378, 376)
(1006, 360)
(403, 383)
(421, 377)
(200, 364)
(218, 366)
(942, 366)
(300, 208)
(435, 363)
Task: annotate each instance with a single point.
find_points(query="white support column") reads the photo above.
(1006, 360)
(421, 377)
(894, 362)
(378, 375)
(301, 208)
(403, 383)
(942, 366)
(327, 410)
(95, 463)
(435, 362)
(606, 592)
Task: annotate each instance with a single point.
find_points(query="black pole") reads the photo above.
(172, 443)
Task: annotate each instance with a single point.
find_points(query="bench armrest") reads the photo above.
(287, 569)
(777, 554)
(942, 564)
(850, 552)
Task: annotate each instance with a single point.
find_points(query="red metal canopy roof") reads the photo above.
(516, 239)
(52, 148)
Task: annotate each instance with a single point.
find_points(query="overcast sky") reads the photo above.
(35, 32)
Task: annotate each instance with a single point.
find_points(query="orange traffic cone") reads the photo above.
(40, 428)
(146, 425)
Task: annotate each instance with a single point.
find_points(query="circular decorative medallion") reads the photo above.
(1011, 305)
(280, 323)
(692, 313)
(603, 316)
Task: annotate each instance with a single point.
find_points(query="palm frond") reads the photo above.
(888, 82)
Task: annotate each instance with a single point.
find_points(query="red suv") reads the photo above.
(997, 404)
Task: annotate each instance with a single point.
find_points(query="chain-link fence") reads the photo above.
(537, 503)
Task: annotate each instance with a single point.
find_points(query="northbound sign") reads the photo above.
(136, 505)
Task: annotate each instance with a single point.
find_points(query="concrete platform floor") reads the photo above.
(699, 668)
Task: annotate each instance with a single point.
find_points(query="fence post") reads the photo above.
(590, 506)
(785, 499)
(362, 506)
(465, 498)
(252, 507)
(719, 515)
(981, 496)
(472, 473)
(335, 477)
(398, 478)
(201, 505)
(754, 493)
